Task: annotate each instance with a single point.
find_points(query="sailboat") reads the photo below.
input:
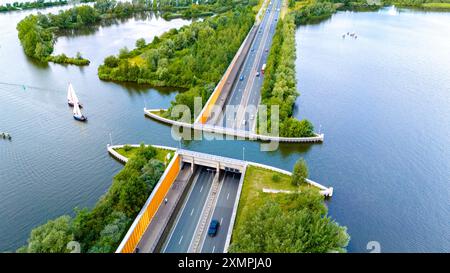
(77, 115)
(72, 97)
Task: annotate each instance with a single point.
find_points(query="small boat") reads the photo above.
(77, 115)
(72, 97)
(5, 136)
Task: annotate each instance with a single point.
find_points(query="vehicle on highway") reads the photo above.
(263, 68)
(213, 227)
(257, 74)
(252, 117)
(266, 50)
(241, 78)
(244, 122)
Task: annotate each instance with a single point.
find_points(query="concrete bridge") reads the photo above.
(195, 188)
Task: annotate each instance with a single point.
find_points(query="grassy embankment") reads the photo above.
(252, 195)
(283, 222)
(129, 152)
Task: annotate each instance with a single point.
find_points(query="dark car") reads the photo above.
(241, 78)
(213, 227)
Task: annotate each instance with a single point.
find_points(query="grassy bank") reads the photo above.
(280, 222)
(101, 228)
(130, 152)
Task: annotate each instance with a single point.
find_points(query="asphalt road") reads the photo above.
(180, 236)
(223, 212)
(247, 92)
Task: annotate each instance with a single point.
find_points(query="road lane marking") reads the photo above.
(228, 196)
(221, 220)
(192, 212)
(201, 188)
(181, 239)
(214, 247)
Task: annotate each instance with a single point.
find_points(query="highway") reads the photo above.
(223, 212)
(246, 91)
(180, 236)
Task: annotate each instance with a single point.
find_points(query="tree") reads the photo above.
(51, 237)
(112, 234)
(140, 43)
(300, 172)
(273, 228)
(111, 61)
(124, 53)
(152, 171)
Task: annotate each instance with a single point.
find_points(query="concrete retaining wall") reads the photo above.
(232, 132)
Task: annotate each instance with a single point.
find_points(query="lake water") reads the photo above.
(383, 102)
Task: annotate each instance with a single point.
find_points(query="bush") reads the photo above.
(300, 173)
(127, 148)
(51, 237)
(275, 178)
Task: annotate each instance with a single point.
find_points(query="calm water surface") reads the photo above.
(383, 102)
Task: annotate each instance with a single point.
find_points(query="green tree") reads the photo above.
(51, 237)
(300, 172)
(140, 43)
(272, 228)
(111, 61)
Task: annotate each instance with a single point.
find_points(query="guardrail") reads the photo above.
(232, 132)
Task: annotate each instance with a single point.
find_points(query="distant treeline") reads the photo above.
(314, 11)
(37, 4)
(38, 33)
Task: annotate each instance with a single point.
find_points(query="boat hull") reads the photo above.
(80, 118)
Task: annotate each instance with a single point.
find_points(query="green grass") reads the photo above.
(160, 113)
(161, 153)
(436, 6)
(252, 196)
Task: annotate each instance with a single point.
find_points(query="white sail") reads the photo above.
(74, 97)
(76, 110)
(70, 93)
(71, 96)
